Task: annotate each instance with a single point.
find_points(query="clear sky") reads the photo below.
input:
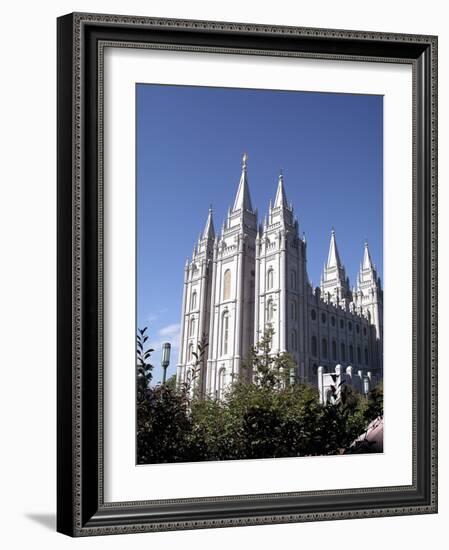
(190, 142)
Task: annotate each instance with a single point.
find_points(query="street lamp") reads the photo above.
(366, 386)
(166, 347)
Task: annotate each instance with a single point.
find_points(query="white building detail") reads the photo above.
(252, 276)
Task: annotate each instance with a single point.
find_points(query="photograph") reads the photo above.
(259, 262)
(247, 272)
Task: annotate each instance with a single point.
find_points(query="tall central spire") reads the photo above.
(281, 199)
(333, 259)
(242, 199)
(209, 230)
(334, 282)
(367, 263)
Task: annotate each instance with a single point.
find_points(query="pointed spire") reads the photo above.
(242, 199)
(209, 230)
(367, 262)
(333, 259)
(281, 199)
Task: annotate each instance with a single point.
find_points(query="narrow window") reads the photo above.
(270, 279)
(334, 350)
(293, 279)
(227, 285)
(366, 356)
(221, 383)
(351, 353)
(192, 326)
(314, 346)
(190, 352)
(343, 351)
(294, 341)
(293, 310)
(225, 334)
(324, 348)
(359, 355)
(193, 300)
(313, 314)
(270, 310)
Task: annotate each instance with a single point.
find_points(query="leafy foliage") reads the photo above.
(269, 370)
(144, 369)
(265, 414)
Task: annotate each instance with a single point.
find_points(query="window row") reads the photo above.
(333, 351)
(271, 309)
(270, 279)
(313, 316)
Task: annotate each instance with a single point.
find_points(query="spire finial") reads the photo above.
(367, 262)
(333, 259)
(281, 199)
(242, 199)
(209, 230)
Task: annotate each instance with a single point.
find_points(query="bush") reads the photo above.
(264, 415)
(251, 422)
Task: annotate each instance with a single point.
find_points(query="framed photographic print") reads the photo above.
(247, 274)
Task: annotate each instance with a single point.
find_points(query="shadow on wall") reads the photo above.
(46, 520)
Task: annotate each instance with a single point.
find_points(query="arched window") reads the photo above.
(357, 328)
(192, 326)
(324, 348)
(270, 277)
(293, 279)
(342, 324)
(359, 355)
(221, 383)
(343, 351)
(366, 356)
(225, 333)
(334, 350)
(270, 310)
(351, 353)
(323, 318)
(227, 285)
(193, 300)
(190, 352)
(313, 314)
(294, 341)
(364, 331)
(293, 310)
(349, 325)
(314, 346)
(333, 321)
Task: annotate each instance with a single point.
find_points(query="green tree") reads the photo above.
(265, 414)
(144, 369)
(267, 369)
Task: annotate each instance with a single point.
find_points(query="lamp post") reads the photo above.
(366, 386)
(166, 347)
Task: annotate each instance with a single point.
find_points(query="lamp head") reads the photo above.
(166, 347)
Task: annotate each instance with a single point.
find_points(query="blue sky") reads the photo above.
(190, 141)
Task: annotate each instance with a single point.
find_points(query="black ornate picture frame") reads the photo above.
(81, 509)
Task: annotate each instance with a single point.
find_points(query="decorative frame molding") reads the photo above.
(81, 41)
